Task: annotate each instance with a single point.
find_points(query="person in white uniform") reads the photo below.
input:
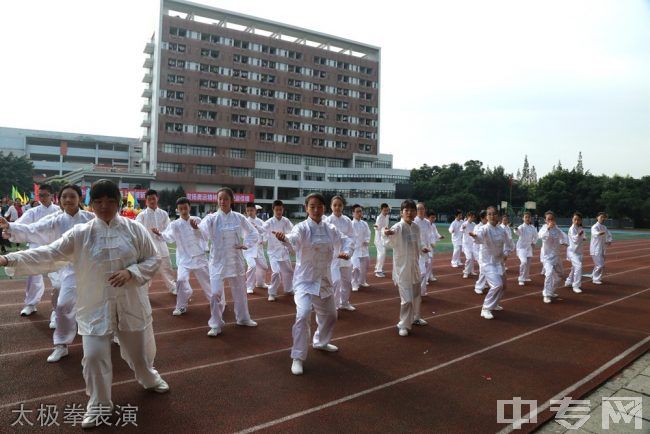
(279, 254)
(505, 223)
(435, 237)
(481, 282)
(495, 246)
(456, 238)
(525, 245)
(113, 259)
(426, 238)
(382, 222)
(552, 240)
(46, 231)
(191, 247)
(255, 259)
(361, 256)
(314, 241)
(156, 221)
(468, 245)
(577, 238)
(404, 237)
(341, 268)
(35, 286)
(601, 237)
(229, 233)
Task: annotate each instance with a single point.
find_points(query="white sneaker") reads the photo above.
(271, 298)
(174, 291)
(379, 274)
(485, 313)
(528, 280)
(465, 276)
(247, 323)
(474, 273)
(597, 282)
(521, 283)
(249, 291)
(28, 310)
(59, 352)
(262, 285)
(116, 340)
(365, 284)
(296, 367)
(327, 347)
(547, 300)
(349, 307)
(577, 290)
(498, 307)
(355, 288)
(161, 387)
(403, 332)
(433, 279)
(53, 320)
(214, 332)
(420, 322)
(478, 291)
(454, 266)
(179, 311)
(568, 284)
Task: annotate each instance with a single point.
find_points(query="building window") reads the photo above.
(263, 173)
(205, 169)
(288, 175)
(289, 159)
(316, 161)
(267, 157)
(238, 171)
(169, 167)
(313, 176)
(237, 153)
(174, 148)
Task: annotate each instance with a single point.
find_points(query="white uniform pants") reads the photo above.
(409, 309)
(185, 289)
(66, 323)
(381, 258)
(138, 349)
(599, 267)
(481, 282)
(497, 284)
(552, 276)
(240, 300)
(256, 272)
(360, 271)
(470, 261)
(455, 256)
(425, 263)
(574, 278)
(325, 309)
(342, 283)
(166, 272)
(281, 273)
(524, 267)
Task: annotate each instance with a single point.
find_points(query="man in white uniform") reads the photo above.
(361, 256)
(382, 222)
(255, 259)
(279, 255)
(600, 239)
(426, 238)
(456, 239)
(525, 244)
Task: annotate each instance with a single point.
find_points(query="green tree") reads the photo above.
(16, 171)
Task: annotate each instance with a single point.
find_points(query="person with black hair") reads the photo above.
(381, 223)
(552, 240)
(601, 237)
(46, 231)
(255, 259)
(341, 268)
(113, 260)
(481, 282)
(156, 221)
(279, 254)
(191, 246)
(361, 256)
(456, 238)
(435, 237)
(404, 238)
(35, 284)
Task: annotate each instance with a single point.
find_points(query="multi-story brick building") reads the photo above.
(263, 107)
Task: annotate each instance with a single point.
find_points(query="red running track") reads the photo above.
(444, 377)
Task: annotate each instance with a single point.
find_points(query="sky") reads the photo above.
(460, 80)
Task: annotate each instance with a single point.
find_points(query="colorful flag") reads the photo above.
(87, 200)
(130, 200)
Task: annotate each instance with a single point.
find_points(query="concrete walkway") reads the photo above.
(634, 381)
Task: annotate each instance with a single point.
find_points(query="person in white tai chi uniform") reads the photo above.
(255, 259)
(435, 235)
(426, 235)
(525, 245)
(156, 220)
(35, 285)
(577, 238)
(113, 259)
(361, 256)
(495, 246)
(552, 240)
(314, 241)
(341, 268)
(456, 238)
(191, 247)
(600, 239)
(382, 222)
(468, 245)
(481, 282)
(279, 254)
(404, 238)
(46, 231)
(229, 233)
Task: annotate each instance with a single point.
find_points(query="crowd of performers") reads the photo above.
(101, 265)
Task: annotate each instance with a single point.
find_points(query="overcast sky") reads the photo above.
(485, 80)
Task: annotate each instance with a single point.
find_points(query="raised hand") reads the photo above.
(279, 235)
(155, 231)
(194, 224)
(119, 278)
